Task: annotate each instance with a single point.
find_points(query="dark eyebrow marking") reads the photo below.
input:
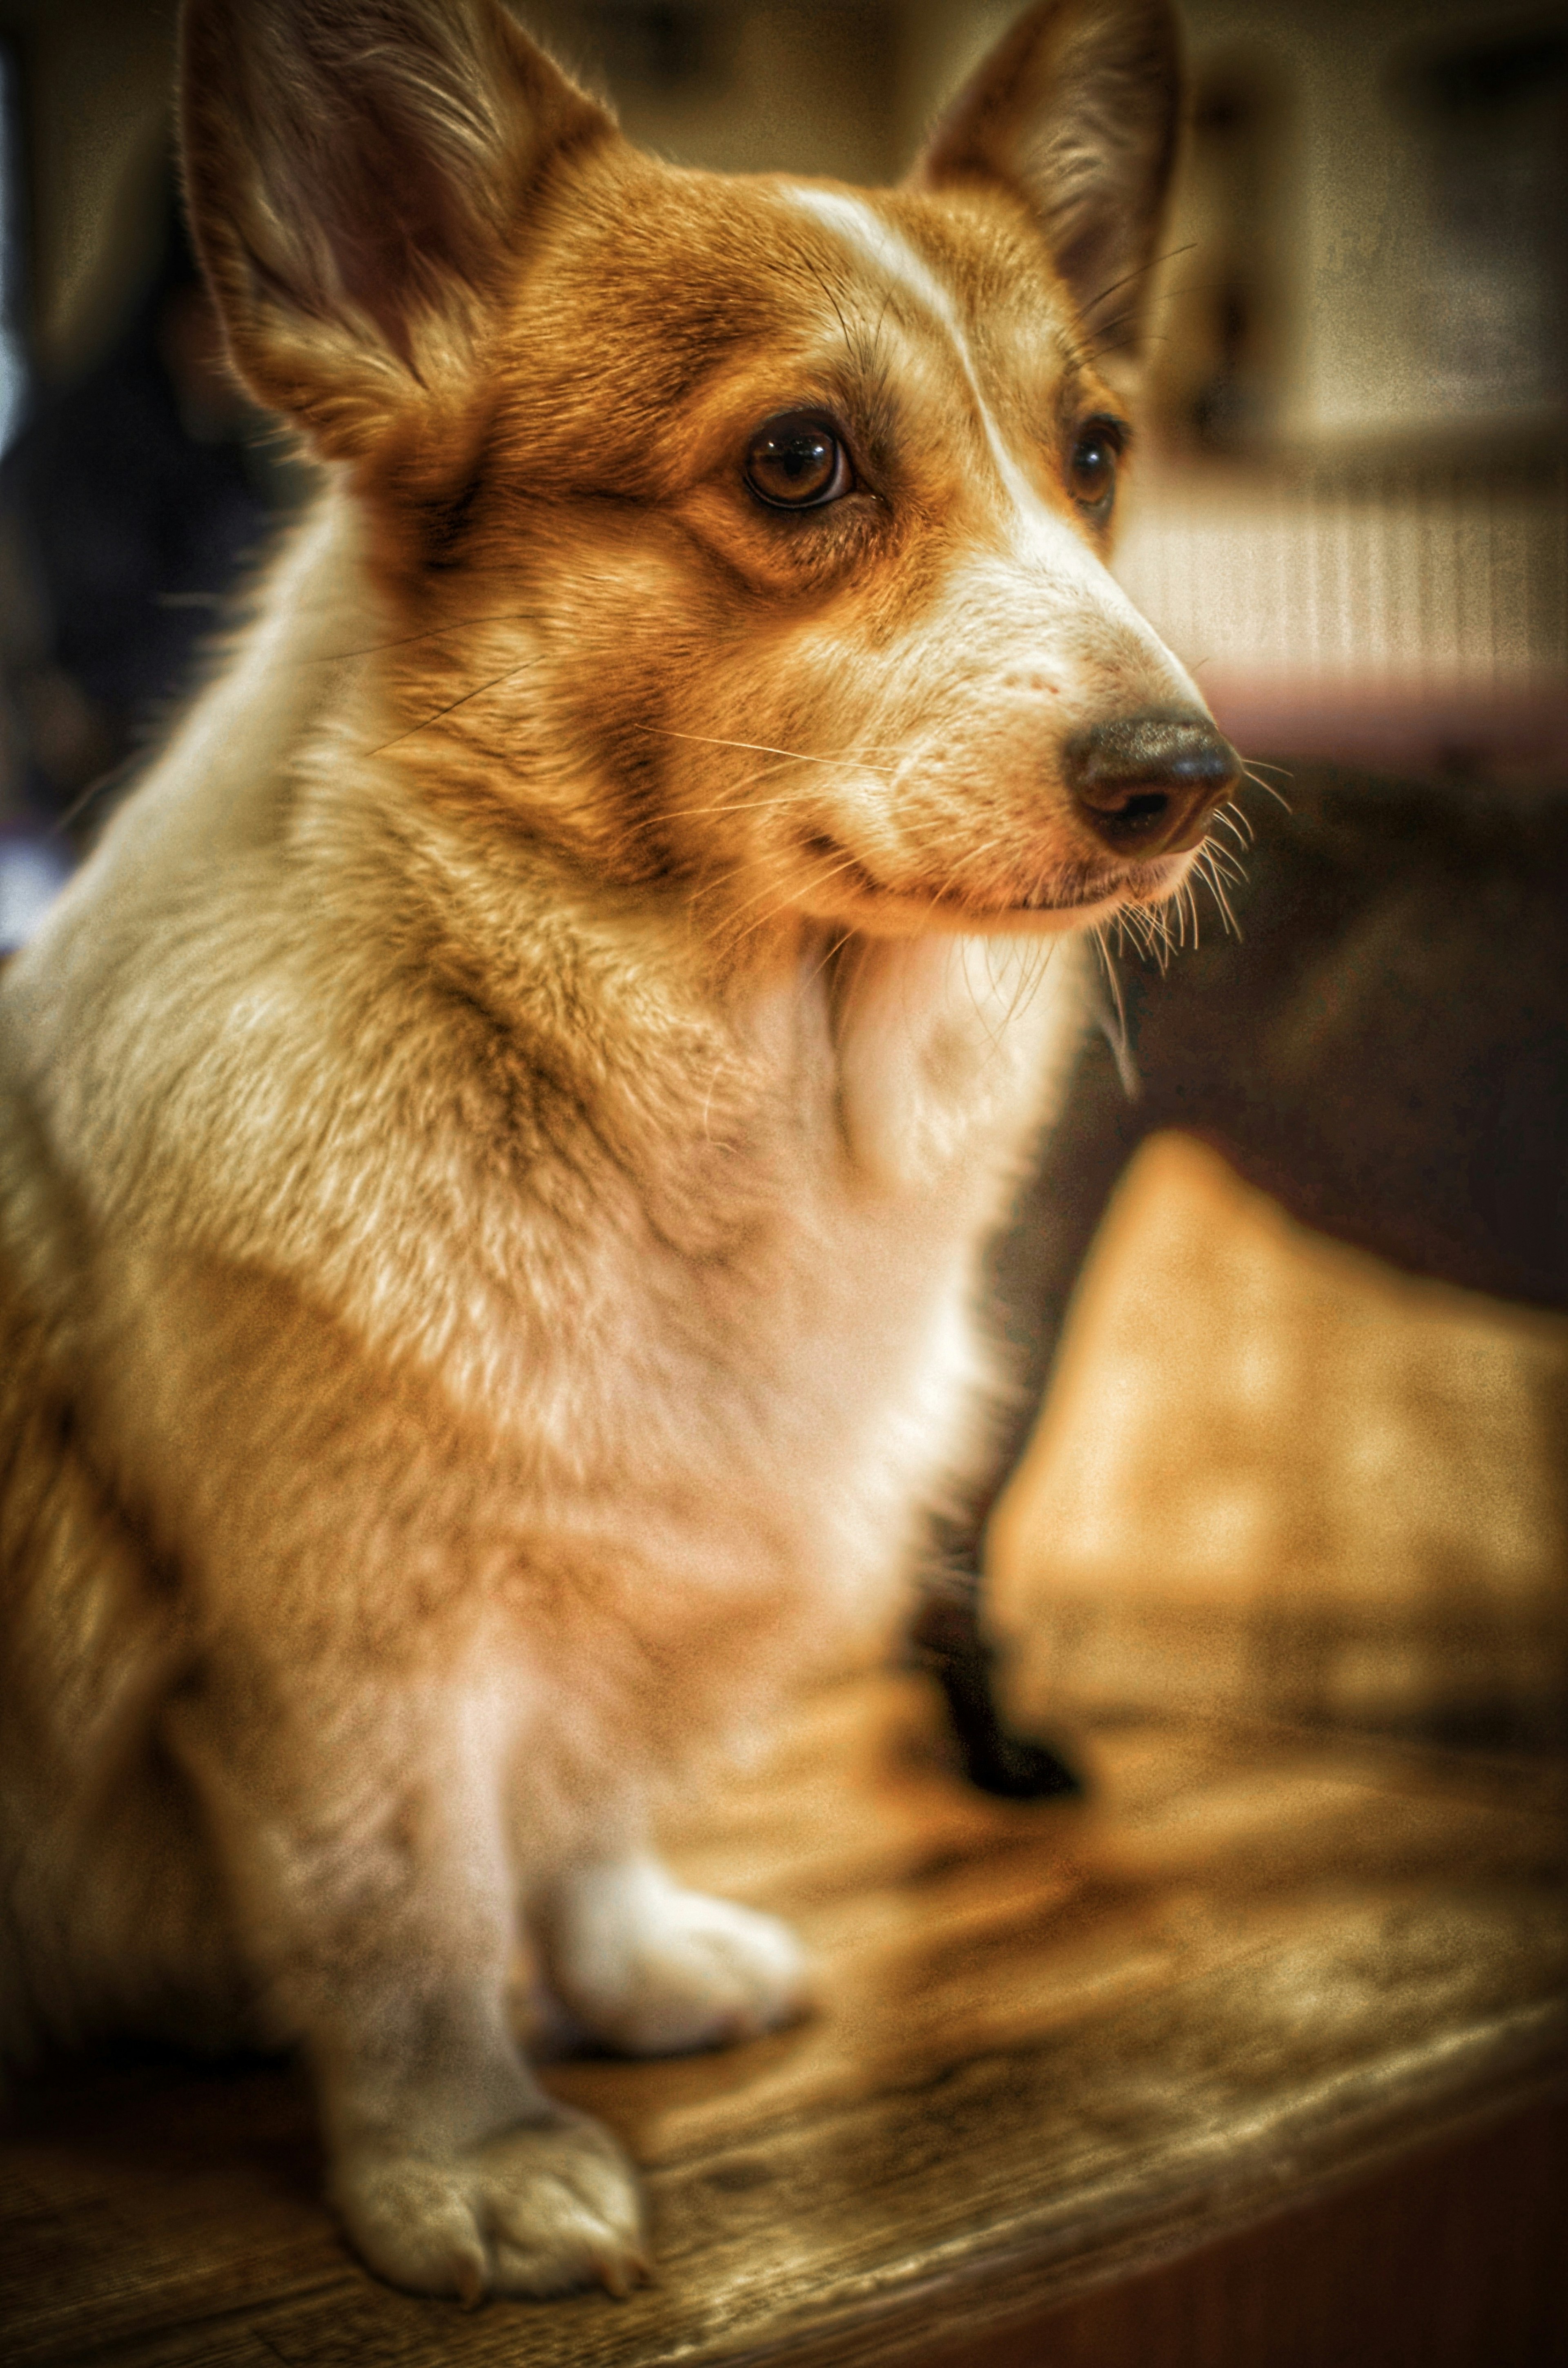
(824, 283)
(861, 345)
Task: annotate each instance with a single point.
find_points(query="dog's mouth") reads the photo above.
(1068, 894)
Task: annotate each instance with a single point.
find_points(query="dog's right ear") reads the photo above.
(359, 172)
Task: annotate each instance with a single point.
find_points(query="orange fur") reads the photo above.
(498, 1139)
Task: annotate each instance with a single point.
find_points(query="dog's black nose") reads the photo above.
(1147, 784)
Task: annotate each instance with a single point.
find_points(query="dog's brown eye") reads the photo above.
(1093, 464)
(796, 462)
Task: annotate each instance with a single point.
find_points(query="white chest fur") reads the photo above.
(863, 1367)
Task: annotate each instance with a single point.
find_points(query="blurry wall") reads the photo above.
(1400, 166)
(1360, 529)
(93, 97)
(750, 86)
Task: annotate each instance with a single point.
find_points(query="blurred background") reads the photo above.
(1276, 1476)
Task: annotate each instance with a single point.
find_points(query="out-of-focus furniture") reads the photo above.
(1378, 1047)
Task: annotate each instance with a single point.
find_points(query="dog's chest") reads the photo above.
(824, 1363)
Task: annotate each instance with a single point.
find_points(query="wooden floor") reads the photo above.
(1130, 2084)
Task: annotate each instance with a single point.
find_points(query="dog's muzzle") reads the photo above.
(1148, 783)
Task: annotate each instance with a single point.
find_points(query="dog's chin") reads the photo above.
(1078, 897)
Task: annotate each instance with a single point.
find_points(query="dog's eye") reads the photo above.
(1092, 468)
(797, 462)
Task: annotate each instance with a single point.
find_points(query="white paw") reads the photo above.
(654, 1970)
(533, 2210)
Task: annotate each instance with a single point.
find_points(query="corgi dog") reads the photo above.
(497, 1141)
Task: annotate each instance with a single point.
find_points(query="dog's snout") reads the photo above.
(1148, 783)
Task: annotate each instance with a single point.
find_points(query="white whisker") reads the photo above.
(761, 748)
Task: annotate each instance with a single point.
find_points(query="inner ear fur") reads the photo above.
(1077, 111)
(358, 174)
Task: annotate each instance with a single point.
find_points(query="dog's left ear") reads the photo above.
(1076, 110)
(362, 177)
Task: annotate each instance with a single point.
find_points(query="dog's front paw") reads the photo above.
(653, 1970)
(534, 2210)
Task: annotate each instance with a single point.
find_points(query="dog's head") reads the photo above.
(744, 532)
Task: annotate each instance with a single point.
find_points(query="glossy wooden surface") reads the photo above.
(1056, 2046)
(1451, 2257)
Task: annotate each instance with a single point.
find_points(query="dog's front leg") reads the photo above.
(363, 1847)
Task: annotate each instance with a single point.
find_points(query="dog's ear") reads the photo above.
(359, 172)
(1076, 110)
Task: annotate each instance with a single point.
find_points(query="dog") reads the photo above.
(499, 1139)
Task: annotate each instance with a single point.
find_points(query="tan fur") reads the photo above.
(496, 1147)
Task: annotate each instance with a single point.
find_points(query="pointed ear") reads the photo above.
(1076, 110)
(357, 172)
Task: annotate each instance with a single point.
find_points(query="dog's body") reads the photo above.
(492, 1201)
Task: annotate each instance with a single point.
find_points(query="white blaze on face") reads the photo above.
(1042, 542)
